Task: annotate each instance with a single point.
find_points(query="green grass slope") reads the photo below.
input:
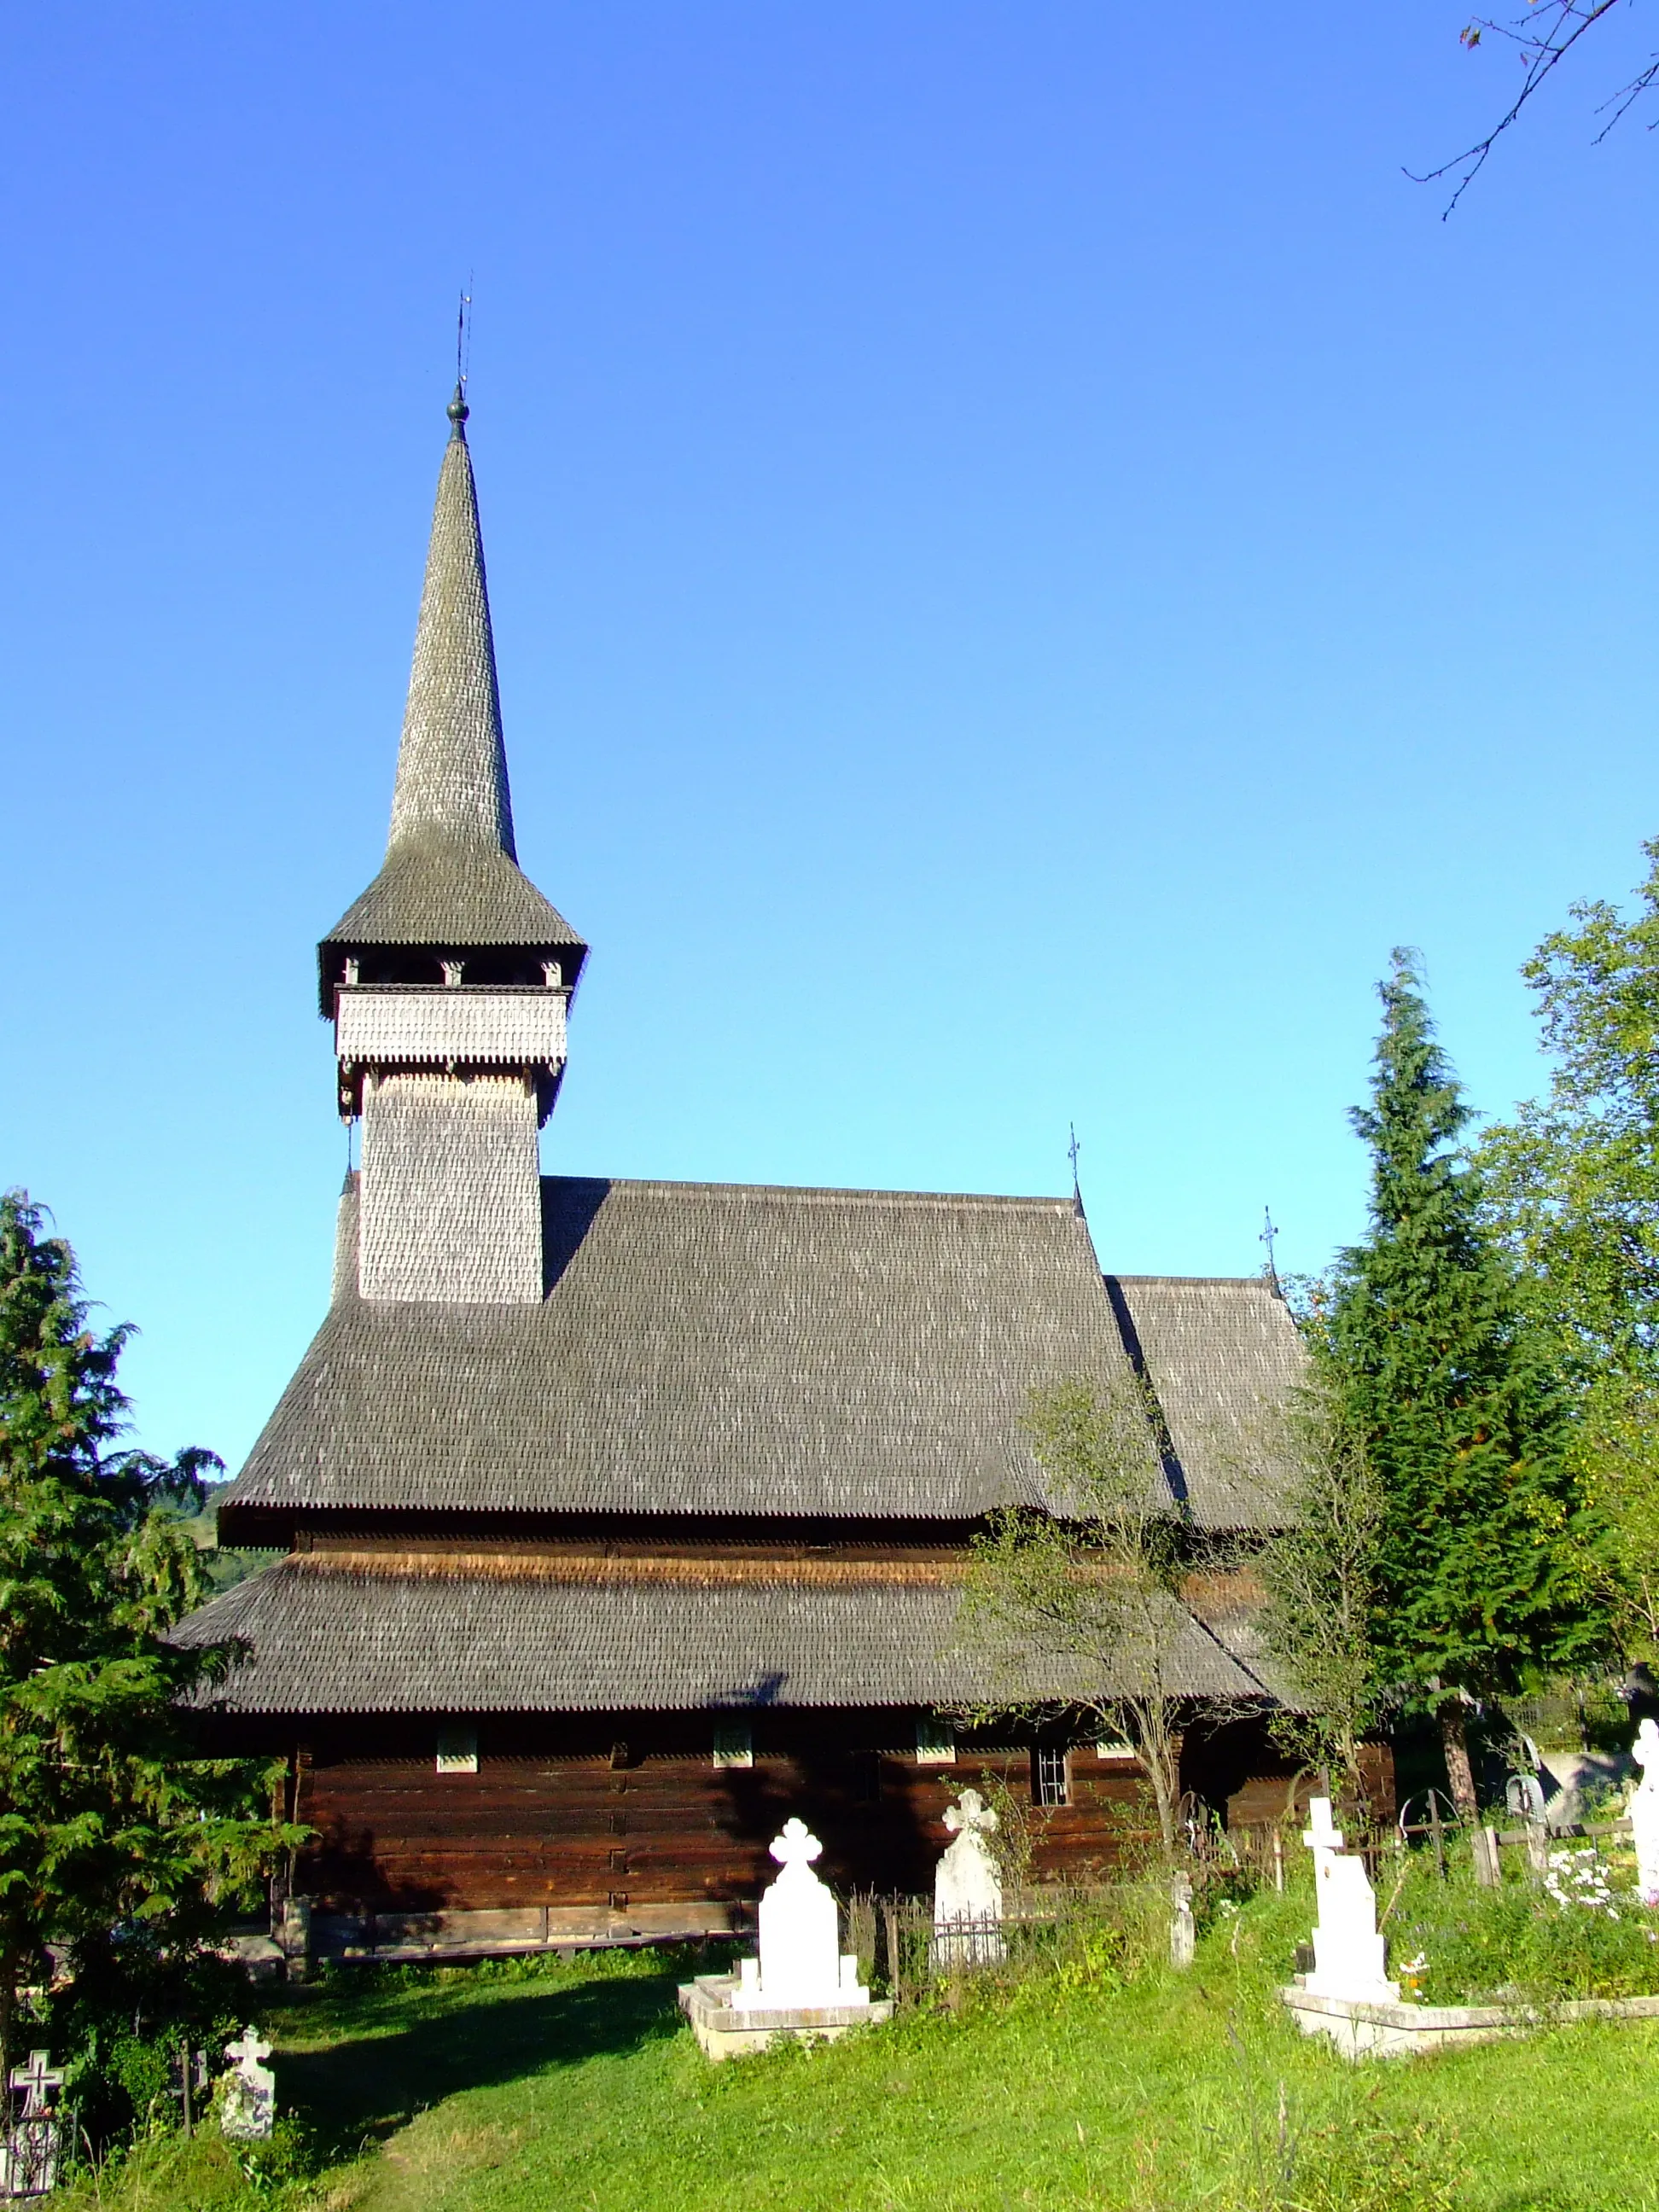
(572, 2084)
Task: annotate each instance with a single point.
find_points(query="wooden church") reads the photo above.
(622, 1519)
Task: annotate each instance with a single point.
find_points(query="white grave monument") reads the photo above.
(1183, 1928)
(1644, 1810)
(800, 1987)
(968, 1888)
(247, 2105)
(1349, 1955)
(800, 1964)
(29, 2145)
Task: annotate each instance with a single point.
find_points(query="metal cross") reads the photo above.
(460, 340)
(1269, 1233)
(1072, 1150)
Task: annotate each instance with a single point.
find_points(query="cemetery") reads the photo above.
(1155, 2026)
(958, 1671)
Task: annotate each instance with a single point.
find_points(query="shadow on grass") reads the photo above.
(359, 2091)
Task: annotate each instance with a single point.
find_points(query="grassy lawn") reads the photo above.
(571, 2084)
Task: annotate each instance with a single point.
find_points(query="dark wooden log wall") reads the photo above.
(630, 1810)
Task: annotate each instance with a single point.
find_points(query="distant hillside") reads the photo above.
(225, 1568)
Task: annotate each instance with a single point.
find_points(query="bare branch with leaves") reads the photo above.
(1545, 36)
(1079, 1610)
(1319, 1575)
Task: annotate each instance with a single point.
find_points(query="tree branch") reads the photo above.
(1545, 38)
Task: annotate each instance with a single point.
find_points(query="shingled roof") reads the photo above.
(721, 1349)
(450, 877)
(401, 1640)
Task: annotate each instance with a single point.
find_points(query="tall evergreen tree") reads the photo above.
(112, 1825)
(1481, 1573)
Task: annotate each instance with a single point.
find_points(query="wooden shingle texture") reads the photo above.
(736, 1350)
(393, 1641)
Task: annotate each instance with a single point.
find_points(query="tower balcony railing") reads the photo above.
(472, 1024)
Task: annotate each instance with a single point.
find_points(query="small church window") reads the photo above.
(1050, 1783)
(936, 1741)
(458, 1747)
(866, 1778)
(734, 1744)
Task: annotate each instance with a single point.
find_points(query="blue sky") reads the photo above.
(1025, 557)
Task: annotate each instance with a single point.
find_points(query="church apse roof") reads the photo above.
(733, 1349)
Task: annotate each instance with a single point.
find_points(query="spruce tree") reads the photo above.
(1480, 1577)
(116, 1834)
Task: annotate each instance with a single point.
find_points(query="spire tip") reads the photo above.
(458, 411)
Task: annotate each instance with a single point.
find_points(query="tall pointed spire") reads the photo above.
(450, 885)
(452, 765)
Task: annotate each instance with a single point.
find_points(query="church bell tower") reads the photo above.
(448, 980)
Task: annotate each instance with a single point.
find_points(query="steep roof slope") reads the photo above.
(737, 1349)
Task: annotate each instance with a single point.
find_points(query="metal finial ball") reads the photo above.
(458, 411)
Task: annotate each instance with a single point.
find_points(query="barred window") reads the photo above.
(1050, 1784)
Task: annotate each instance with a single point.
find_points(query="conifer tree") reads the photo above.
(1481, 1562)
(112, 1823)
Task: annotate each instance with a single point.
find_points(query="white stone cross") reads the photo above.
(968, 1887)
(1322, 1834)
(971, 1814)
(1349, 1952)
(796, 1847)
(247, 2052)
(249, 2105)
(37, 2080)
(801, 1967)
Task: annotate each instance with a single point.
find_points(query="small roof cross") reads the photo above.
(1323, 1834)
(796, 1846)
(971, 1813)
(37, 2079)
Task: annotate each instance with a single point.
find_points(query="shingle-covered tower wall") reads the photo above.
(451, 1205)
(448, 979)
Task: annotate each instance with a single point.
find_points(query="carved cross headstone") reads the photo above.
(801, 1967)
(968, 1887)
(1349, 1954)
(1644, 1810)
(29, 2141)
(248, 2108)
(37, 2080)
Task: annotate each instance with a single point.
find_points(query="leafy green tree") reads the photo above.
(112, 1825)
(1482, 1573)
(1572, 1187)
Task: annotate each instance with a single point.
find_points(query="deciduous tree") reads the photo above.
(1572, 1187)
(1080, 1609)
